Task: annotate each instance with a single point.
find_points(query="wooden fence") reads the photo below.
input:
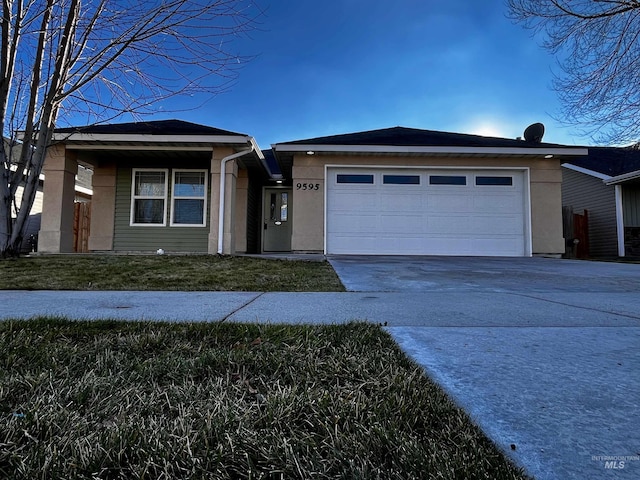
(575, 228)
(81, 223)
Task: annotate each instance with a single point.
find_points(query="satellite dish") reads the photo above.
(534, 133)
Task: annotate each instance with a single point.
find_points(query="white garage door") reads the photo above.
(426, 212)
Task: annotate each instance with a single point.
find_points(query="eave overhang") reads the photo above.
(436, 150)
(98, 141)
(624, 178)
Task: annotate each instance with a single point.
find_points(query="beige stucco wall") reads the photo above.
(56, 227)
(103, 207)
(545, 191)
(231, 175)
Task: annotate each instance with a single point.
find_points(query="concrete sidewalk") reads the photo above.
(395, 309)
(555, 374)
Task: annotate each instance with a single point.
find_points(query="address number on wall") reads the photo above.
(307, 186)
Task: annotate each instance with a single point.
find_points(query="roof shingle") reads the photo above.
(410, 137)
(611, 161)
(157, 127)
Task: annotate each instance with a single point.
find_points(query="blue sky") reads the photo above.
(339, 66)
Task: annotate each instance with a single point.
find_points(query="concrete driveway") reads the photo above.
(544, 354)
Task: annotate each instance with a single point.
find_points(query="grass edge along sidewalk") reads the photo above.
(135, 400)
(168, 273)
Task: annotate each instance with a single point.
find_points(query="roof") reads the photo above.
(413, 141)
(158, 127)
(156, 139)
(610, 161)
(413, 137)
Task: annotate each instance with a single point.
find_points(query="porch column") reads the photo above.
(228, 246)
(56, 228)
(103, 207)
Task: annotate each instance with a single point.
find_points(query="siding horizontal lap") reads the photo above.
(151, 238)
(583, 192)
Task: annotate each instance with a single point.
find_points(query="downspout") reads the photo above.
(223, 174)
(619, 220)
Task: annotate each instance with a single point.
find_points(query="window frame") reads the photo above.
(202, 197)
(395, 179)
(134, 197)
(442, 183)
(489, 178)
(355, 179)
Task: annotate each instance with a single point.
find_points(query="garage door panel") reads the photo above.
(345, 244)
(442, 225)
(363, 223)
(402, 224)
(401, 202)
(427, 218)
(497, 204)
(449, 203)
(487, 225)
(448, 245)
(347, 201)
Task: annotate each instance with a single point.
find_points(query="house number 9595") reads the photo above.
(307, 186)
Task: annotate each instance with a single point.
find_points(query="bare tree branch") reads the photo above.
(101, 59)
(598, 48)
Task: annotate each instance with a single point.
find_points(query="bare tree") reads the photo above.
(97, 60)
(597, 45)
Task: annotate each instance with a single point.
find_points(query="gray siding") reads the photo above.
(149, 239)
(631, 206)
(584, 192)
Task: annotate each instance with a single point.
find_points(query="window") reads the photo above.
(501, 181)
(353, 178)
(401, 179)
(447, 180)
(189, 193)
(149, 197)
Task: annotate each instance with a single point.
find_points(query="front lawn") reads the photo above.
(84, 400)
(166, 272)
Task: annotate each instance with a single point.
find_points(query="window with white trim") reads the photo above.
(188, 198)
(149, 197)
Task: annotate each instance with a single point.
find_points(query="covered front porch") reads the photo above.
(160, 185)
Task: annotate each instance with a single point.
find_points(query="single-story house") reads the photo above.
(606, 183)
(183, 187)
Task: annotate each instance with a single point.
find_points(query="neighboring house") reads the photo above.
(390, 191)
(606, 183)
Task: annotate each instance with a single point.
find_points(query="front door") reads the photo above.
(277, 220)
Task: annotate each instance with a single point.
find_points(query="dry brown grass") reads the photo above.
(204, 401)
(166, 272)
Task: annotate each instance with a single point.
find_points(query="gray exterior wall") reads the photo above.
(631, 206)
(150, 239)
(584, 192)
